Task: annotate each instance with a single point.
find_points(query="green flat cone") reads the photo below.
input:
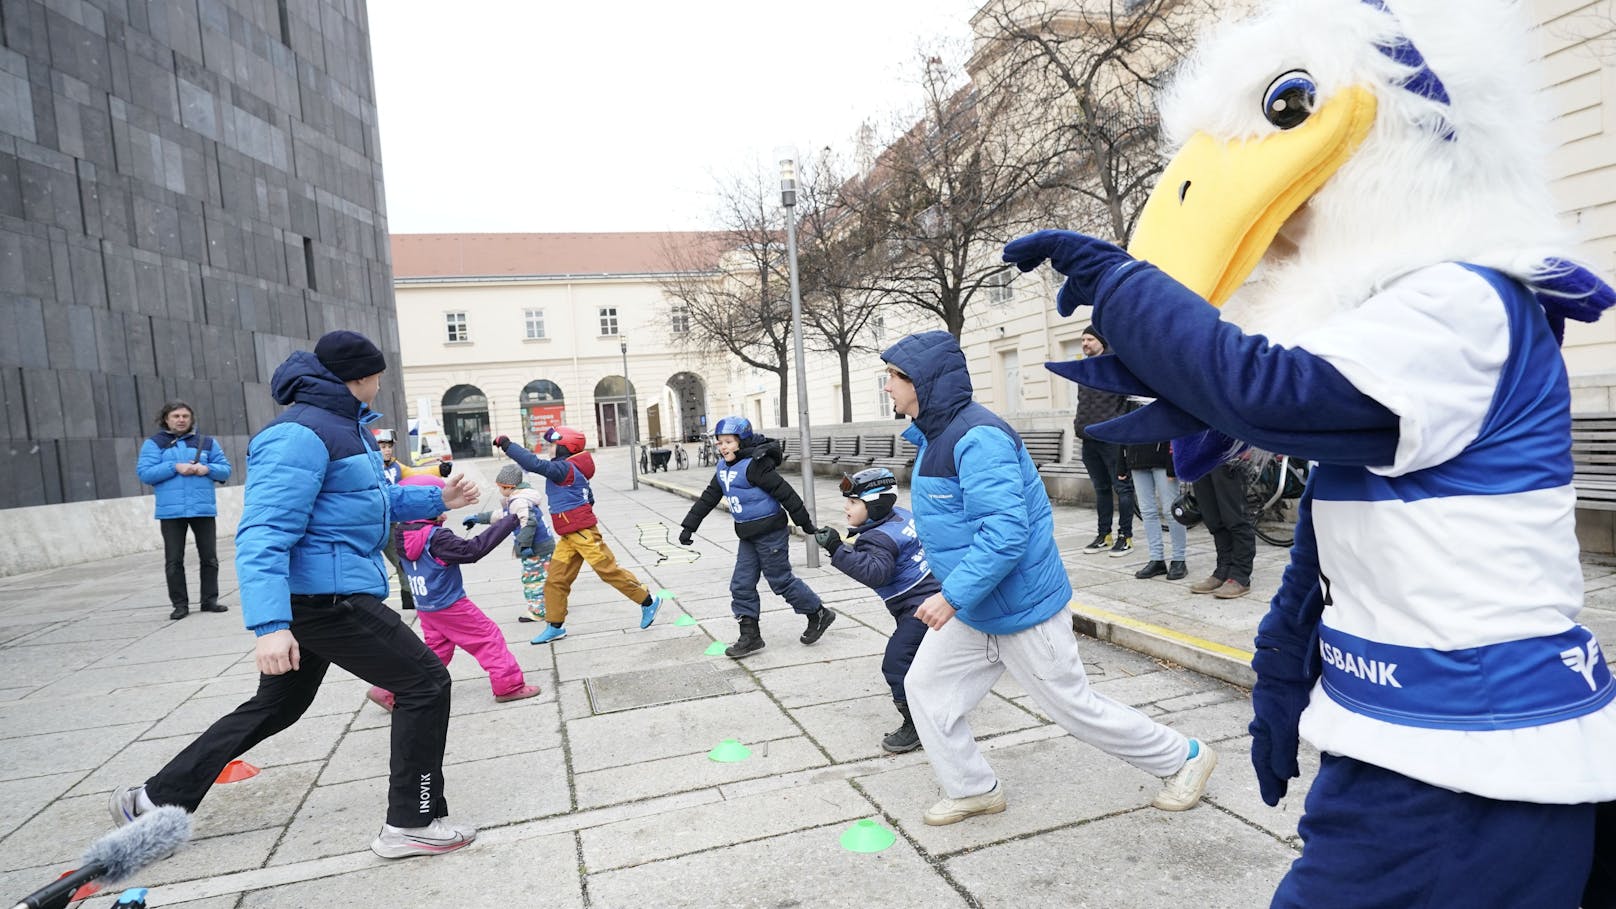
(729, 751)
(716, 648)
(666, 594)
(684, 621)
(867, 836)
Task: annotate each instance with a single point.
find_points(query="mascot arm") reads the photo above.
(1287, 639)
(1276, 398)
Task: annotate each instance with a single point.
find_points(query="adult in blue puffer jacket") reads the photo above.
(989, 534)
(308, 556)
(182, 468)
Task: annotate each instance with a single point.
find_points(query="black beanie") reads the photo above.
(1089, 330)
(349, 355)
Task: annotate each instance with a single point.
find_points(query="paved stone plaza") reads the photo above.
(600, 792)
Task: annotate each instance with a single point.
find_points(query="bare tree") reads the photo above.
(735, 297)
(936, 205)
(832, 264)
(1094, 67)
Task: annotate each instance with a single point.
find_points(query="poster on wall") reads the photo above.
(543, 416)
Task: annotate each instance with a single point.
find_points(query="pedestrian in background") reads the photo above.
(183, 468)
(1113, 488)
(1151, 466)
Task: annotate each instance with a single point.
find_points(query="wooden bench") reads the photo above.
(1044, 445)
(843, 447)
(901, 461)
(1593, 460)
(819, 446)
(870, 449)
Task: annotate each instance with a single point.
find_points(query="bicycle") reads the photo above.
(681, 461)
(1270, 490)
(707, 453)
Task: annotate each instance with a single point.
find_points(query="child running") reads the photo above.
(888, 557)
(533, 543)
(431, 556)
(759, 500)
(572, 510)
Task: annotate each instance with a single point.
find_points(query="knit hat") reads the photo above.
(509, 475)
(349, 355)
(1089, 330)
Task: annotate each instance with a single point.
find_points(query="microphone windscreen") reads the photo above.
(152, 836)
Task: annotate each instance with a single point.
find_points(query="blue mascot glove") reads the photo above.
(1277, 709)
(1082, 259)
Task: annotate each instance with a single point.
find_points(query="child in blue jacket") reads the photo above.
(888, 558)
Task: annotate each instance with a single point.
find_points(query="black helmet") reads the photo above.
(869, 484)
(1185, 511)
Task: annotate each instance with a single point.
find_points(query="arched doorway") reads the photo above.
(689, 396)
(465, 422)
(542, 407)
(614, 409)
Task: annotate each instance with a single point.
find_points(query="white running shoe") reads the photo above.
(435, 839)
(1183, 790)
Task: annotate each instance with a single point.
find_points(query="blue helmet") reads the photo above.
(869, 484)
(740, 427)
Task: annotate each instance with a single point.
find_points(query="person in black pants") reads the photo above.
(308, 556)
(1107, 470)
(1221, 496)
(183, 468)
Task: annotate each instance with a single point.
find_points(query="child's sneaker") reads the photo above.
(434, 839)
(1182, 791)
(526, 691)
(648, 613)
(552, 633)
(531, 615)
(381, 697)
(952, 811)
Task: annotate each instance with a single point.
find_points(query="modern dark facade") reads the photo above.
(189, 191)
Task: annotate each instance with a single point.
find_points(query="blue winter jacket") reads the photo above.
(981, 510)
(317, 505)
(181, 495)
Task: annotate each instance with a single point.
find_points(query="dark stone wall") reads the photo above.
(189, 191)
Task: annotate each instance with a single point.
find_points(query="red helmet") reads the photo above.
(566, 437)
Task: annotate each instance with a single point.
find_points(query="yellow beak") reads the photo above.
(1218, 205)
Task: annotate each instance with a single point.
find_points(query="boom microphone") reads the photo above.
(118, 855)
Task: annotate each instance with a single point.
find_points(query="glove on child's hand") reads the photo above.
(828, 539)
(470, 522)
(502, 441)
(445, 468)
(686, 536)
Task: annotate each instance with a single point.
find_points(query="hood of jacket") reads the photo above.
(415, 536)
(585, 462)
(761, 448)
(303, 379)
(934, 361)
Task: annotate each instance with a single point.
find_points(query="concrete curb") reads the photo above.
(1219, 661)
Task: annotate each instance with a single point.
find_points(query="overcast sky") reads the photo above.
(535, 115)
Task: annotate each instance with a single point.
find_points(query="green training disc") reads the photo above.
(867, 836)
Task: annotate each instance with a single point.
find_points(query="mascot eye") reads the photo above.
(1289, 99)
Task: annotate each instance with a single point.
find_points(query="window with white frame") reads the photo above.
(608, 320)
(883, 401)
(534, 319)
(680, 319)
(454, 327)
(998, 286)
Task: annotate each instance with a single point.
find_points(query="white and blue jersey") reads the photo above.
(1451, 578)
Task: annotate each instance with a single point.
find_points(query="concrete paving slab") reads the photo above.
(106, 679)
(689, 727)
(688, 772)
(807, 869)
(37, 717)
(54, 752)
(852, 730)
(705, 827)
(652, 654)
(25, 797)
(810, 683)
(1238, 794)
(650, 687)
(1151, 859)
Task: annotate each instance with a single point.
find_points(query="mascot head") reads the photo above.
(1326, 147)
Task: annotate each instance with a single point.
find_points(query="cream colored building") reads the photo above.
(502, 334)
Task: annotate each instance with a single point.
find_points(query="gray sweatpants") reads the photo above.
(957, 665)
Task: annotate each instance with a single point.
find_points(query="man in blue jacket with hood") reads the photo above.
(989, 533)
(316, 512)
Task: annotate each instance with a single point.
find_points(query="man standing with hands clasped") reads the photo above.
(308, 556)
(988, 530)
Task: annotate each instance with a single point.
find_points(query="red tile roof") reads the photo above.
(493, 255)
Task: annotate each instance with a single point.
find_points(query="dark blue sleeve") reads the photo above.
(1278, 398)
(454, 550)
(532, 463)
(870, 561)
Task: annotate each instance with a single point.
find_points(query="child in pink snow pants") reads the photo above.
(431, 557)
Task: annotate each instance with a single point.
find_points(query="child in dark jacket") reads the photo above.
(431, 557)
(572, 510)
(759, 500)
(887, 557)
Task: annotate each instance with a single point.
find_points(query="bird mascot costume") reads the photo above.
(1353, 258)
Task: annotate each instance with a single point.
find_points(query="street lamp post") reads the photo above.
(628, 395)
(788, 198)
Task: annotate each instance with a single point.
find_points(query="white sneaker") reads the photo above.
(1182, 791)
(952, 811)
(435, 839)
(128, 803)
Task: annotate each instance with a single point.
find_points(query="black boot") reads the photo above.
(817, 623)
(748, 643)
(180, 611)
(904, 738)
(1176, 571)
(1152, 568)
